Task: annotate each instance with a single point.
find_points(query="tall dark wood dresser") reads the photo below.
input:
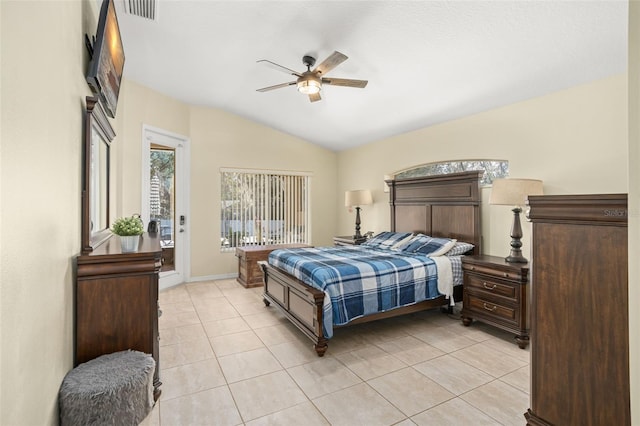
(579, 311)
(117, 301)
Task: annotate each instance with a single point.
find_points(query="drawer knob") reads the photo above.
(488, 308)
(505, 275)
(484, 284)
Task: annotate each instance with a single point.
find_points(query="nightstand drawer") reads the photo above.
(487, 308)
(495, 287)
(491, 270)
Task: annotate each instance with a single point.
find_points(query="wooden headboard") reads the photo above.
(440, 206)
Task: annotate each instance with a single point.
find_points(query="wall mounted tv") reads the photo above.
(107, 59)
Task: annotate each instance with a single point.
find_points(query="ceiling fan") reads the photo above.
(310, 81)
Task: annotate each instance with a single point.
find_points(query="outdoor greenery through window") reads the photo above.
(264, 208)
(493, 169)
(161, 195)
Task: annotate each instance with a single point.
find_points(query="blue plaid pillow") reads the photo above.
(417, 241)
(460, 248)
(385, 240)
(430, 246)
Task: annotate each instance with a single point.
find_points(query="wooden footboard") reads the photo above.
(302, 304)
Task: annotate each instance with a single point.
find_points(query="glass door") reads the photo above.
(165, 199)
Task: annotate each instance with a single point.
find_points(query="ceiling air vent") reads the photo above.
(142, 8)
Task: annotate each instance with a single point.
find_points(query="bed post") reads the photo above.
(392, 197)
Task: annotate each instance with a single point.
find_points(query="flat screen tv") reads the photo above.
(107, 60)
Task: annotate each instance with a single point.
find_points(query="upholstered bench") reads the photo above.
(113, 389)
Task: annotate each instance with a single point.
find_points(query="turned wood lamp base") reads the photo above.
(515, 256)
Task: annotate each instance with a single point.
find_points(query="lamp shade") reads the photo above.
(360, 197)
(514, 192)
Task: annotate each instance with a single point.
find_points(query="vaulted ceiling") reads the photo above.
(427, 62)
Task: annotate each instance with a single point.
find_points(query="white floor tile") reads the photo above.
(226, 359)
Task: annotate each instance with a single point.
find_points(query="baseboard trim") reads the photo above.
(213, 277)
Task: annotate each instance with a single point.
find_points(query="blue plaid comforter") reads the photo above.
(358, 281)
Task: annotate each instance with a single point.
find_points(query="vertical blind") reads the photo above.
(264, 207)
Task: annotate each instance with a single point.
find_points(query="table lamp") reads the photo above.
(357, 198)
(514, 192)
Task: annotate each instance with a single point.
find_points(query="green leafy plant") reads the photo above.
(126, 226)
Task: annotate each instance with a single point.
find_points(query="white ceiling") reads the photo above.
(426, 61)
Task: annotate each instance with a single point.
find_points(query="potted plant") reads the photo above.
(129, 229)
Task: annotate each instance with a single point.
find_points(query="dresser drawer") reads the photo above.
(474, 303)
(492, 286)
(492, 271)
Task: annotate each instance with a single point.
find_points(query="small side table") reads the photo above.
(495, 292)
(348, 240)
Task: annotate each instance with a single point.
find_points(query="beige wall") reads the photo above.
(218, 139)
(42, 91)
(574, 140)
(138, 106)
(221, 139)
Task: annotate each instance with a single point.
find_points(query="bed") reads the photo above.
(444, 206)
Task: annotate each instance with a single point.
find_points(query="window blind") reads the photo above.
(259, 208)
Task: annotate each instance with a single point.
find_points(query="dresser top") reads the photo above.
(111, 248)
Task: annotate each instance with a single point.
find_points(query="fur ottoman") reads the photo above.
(113, 389)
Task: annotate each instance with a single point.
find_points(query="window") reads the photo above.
(493, 169)
(264, 207)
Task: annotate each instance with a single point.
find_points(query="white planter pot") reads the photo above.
(129, 243)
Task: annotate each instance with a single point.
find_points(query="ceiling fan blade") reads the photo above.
(279, 67)
(314, 97)
(335, 59)
(277, 86)
(346, 82)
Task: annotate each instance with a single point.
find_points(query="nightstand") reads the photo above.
(348, 240)
(495, 292)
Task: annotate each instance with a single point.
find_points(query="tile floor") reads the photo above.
(223, 354)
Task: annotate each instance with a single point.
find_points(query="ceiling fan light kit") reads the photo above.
(310, 82)
(309, 85)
